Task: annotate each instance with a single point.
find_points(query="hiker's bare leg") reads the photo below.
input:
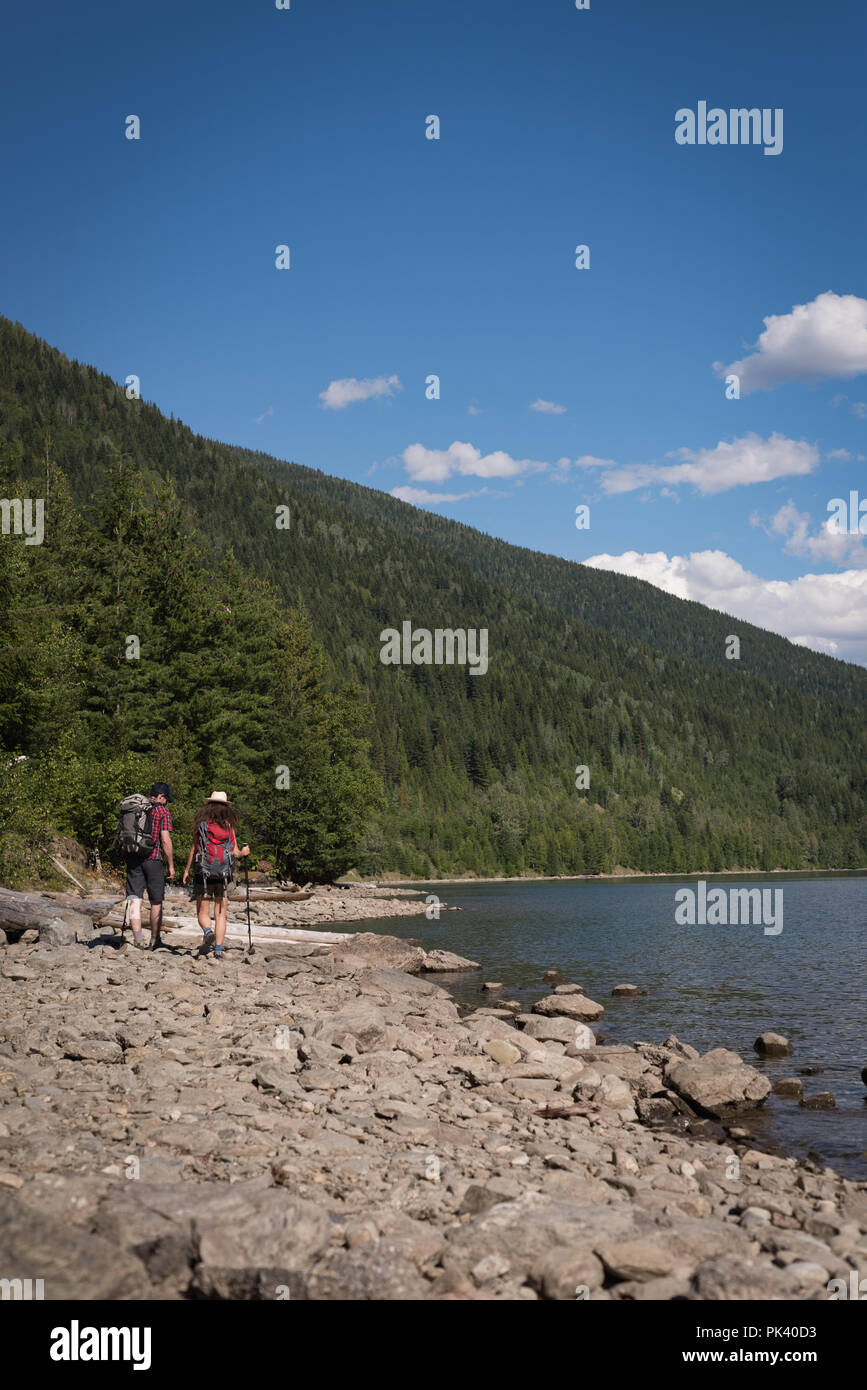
(134, 905)
(203, 912)
(220, 919)
(156, 918)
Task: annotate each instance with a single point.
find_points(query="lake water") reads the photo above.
(713, 986)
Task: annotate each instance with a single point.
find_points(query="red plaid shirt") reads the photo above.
(161, 821)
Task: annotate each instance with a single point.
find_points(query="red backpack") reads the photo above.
(215, 858)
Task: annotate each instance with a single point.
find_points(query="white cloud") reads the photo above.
(269, 411)
(828, 543)
(435, 465)
(735, 463)
(547, 407)
(820, 341)
(473, 409)
(827, 612)
(418, 496)
(590, 461)
(340, 394)
(859, 408)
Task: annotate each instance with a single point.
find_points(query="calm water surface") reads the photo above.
(712, 986)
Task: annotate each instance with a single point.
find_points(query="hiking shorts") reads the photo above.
(209, 888)
(147, 874)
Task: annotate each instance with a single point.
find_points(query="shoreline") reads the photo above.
(613, 877)
(322, 1117)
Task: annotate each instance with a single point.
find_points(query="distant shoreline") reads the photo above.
(615, 877)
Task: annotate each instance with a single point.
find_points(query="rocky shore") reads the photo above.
(318, 1121)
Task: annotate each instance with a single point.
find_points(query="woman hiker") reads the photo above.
(214, 849)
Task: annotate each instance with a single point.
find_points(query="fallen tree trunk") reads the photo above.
(95, 908)
(187, 926)
(54, 921)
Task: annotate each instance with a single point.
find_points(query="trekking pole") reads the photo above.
(250, 948)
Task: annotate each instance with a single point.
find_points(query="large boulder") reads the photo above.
(226, 1241)
(361, 1021)
(441, 961)
(71, 1263)
(370, 949)
(560, 1029)
(718, 1084)
(576, 1006)
(528, 1231)
(54, 931)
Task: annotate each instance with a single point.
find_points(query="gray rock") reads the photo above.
(613, 1092)
(369, 949)
(502, 1051)
(235, 1241)
(626, 991)
(772, 1045)
(791, 1086)
(822, 1100)
(478, 1198)
(490, 1267)
(247, 1250)
(673, 1253)
(740, 1278)
(654, 1109)
(321, 1054)
(73, 1264)
(94, 1050)
(551, 1029)
(564, 1272)
(441, 961)
(362, 1021)
(718, 1083)
(380, 1274)
(576, 1006)
(527, 1230)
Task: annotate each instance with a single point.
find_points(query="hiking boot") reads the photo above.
(138, 941)
(155, 942)
(208, 940)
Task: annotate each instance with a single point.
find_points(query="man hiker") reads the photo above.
(149, 872)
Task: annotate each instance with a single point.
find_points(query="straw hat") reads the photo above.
(218, 796)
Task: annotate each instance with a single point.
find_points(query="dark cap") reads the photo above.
(162, 789)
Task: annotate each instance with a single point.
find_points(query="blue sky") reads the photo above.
(456, 257)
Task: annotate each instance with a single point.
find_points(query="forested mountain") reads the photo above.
(696, 763)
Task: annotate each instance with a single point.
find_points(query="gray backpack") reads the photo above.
(135, 830)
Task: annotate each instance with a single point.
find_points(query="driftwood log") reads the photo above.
(57, 918)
